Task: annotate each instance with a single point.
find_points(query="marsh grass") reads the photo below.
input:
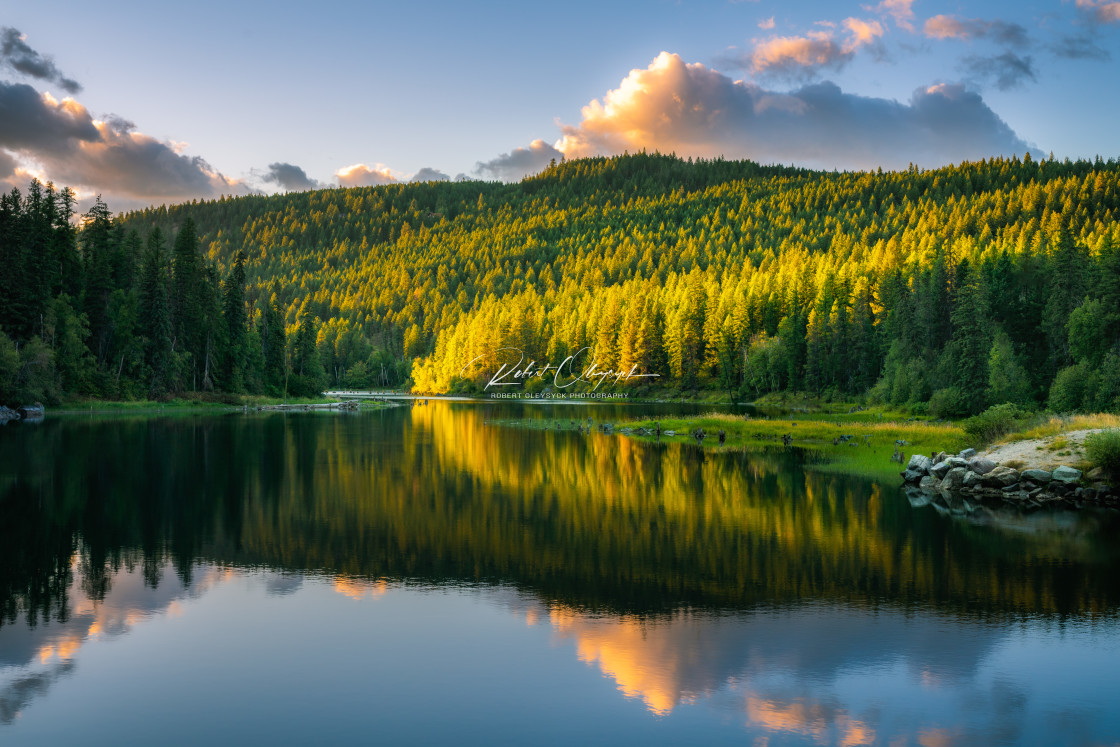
(867, 453)
(1058, 424)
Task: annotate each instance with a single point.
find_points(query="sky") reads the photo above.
(150, 104)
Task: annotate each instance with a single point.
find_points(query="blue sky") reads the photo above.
(209, 98)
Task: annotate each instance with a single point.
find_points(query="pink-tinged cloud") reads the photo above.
(802, 56)
(899, 10)
(693, 110)
(1101, 11)
(361, 175)
(767, 24)
(951, 27)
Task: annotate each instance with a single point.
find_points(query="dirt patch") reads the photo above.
(1046, 453)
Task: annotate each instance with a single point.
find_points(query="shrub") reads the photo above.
(1067, 393)
(948, 402)
(993, 423)
(1103, 450)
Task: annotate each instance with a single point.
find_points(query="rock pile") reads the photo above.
(967, 475)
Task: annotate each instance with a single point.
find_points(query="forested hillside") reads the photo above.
(962, 286)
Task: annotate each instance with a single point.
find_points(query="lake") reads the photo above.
(423, 575)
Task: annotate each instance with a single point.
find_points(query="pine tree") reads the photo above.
(155, 315)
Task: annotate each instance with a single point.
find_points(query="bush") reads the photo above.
(1067, 393)
(993, 423)
(948, 402)
(1103, 450)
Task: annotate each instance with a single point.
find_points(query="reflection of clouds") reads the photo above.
(283, 584)
(15, 695)
(34, 658)
(356, 588)
(827, 675)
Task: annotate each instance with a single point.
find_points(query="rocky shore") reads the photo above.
(959, 478)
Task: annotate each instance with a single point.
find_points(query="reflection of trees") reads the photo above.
(434, 493)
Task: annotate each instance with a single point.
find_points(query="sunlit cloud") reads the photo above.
(361, 175)
(63, 142)
(1101, 11)
(767, 24)
(802, 57)
(693, 110)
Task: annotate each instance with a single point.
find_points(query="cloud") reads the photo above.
(899, 10)
(1101, 11)
(427, 174)
(520, 162)
(1006, 71)
(17, 55)
(361, 175)
(693, 110)
(1080, 47)
(70, 147)
(802, 57)
(37, 121)
(950, 27)
(767, 24)
(290, 178)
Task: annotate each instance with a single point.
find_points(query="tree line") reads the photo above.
(98, 309)
(953, 288)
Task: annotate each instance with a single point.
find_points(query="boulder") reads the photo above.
(6, 414)
(929, 484)
(1067, 475)
(972, 479)
(941, 457)
(1041, 476)
(1095, 474)
(920, 463)
(939, 469)
(1001, 477)
(917, 468)
(981, 465)
(954, 479)
(955, 462)
(967, 454)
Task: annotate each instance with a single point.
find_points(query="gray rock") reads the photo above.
(1001, 477)
(1067, 475)
(981, 465)
(919, 463)
(1095, 474)
(972, 479)
(941, 457)
(967, 454)
(913, 475)
(1040, 476)
(929, 484)
(954, 479)
(939, 470)
(955, 462)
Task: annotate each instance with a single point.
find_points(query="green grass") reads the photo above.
(185, 403)
(1103, 450)
(870, 456)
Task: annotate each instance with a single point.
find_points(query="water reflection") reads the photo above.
(814, 607)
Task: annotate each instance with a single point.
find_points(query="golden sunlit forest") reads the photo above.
(950, 289)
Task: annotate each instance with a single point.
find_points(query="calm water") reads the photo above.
(419, 576)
